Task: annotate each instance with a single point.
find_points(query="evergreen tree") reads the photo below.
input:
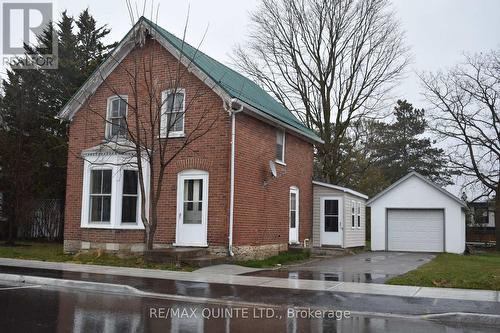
(33, 143)
(388, 151)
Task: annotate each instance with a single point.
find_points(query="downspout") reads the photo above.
(232, 112)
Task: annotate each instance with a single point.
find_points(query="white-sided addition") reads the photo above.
(192, 208)
(338, 216)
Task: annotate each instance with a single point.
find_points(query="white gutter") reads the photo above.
(232, 112)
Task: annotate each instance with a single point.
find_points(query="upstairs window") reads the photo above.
(116, 117)
(172, 114)
(100, 196)
(280, 145)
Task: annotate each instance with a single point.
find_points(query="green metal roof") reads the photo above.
(235, 84)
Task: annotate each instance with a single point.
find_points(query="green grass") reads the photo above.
(54, 252)
(479, 271)
(282, 258)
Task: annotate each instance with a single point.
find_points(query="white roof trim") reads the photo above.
(340, 188)
(419, 176)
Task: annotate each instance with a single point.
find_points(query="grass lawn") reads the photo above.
(282, 258)
(54, 252)
(479, 271)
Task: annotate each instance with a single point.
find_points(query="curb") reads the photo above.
(465, 318)
(73, 284)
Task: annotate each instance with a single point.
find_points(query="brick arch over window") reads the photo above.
(191, 163)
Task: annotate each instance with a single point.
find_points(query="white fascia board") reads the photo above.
(340, 188)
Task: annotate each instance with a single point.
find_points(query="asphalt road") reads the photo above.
(46, 309)
(277, 296)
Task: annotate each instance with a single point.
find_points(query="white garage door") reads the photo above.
(416, 230)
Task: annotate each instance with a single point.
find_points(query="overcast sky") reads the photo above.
(438, 31)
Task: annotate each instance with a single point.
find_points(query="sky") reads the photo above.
(437, 31)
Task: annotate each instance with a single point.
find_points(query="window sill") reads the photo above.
(114, 227)
(173, 136)
(280, 162)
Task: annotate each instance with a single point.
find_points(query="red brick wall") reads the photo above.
(209, 153)
(262, 211)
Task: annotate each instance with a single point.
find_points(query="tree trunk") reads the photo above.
(497, 217)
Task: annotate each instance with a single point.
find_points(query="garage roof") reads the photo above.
(416, 174)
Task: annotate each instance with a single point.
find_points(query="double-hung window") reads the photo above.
(100, 196)
(172, 113)
(358, 214)
(129, 196)
(280, 145)
(116, 123)
(353, 214)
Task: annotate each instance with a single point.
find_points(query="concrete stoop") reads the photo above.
(193, 256)
(207, 260)
(330, 251)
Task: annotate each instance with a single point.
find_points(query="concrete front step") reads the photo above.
(205, 261)
(330, 251)
(174, 254)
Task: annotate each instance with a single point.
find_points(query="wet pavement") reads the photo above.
(276, 296)
(367, 267)
(42, 309)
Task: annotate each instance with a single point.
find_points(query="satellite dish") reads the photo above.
(272, 166)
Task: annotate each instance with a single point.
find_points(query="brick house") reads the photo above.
(220, 193)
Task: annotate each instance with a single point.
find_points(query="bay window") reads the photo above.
(111, 196)
(129, 196)
(100, 196)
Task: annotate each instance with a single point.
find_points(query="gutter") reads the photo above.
(232, 112)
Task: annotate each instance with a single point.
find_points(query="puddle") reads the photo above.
(324, 276)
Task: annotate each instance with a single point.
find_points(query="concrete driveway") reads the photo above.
(367, 267)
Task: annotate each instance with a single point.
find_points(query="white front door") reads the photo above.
(331, 220)
(192, 208)
(293, 237)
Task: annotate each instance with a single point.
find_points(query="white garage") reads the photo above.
(417, 215)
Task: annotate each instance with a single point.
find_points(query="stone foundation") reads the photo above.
(242, 252)
(252, 252)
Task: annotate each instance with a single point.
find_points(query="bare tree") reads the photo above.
(466, 101)
(330, 62)
(143, 136)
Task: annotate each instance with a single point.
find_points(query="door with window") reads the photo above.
(331, 221)
(293, 237)
(192, 208)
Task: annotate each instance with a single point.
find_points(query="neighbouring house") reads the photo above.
(481, 222)
(414, 214)
(267, 213)
(339, 216)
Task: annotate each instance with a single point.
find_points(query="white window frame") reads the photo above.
(163, 115)
(138, 196)
(358, 215)
(282, 161)
(353, 215)
(117, 163)
(108, 115)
